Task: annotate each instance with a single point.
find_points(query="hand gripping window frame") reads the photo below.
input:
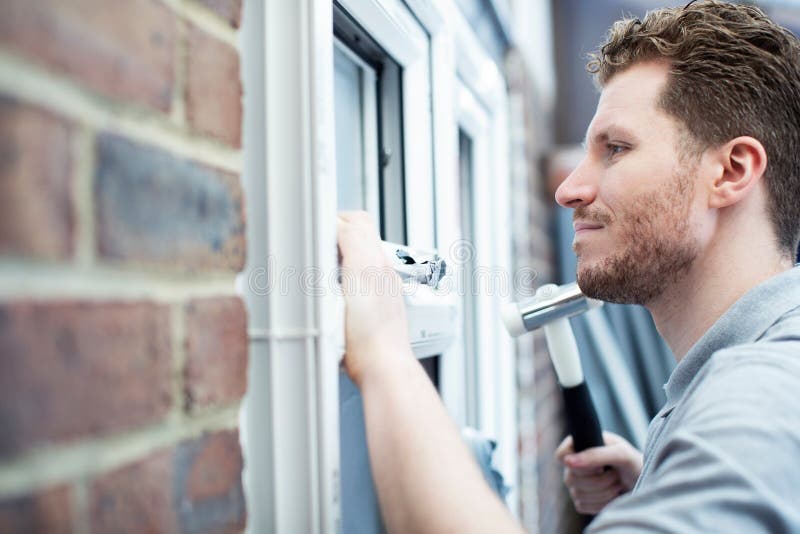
(432, 315)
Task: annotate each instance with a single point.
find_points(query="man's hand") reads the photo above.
(375, 321)
(599, 475)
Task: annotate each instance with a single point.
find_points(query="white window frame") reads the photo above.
(290, 426)
(289, 423)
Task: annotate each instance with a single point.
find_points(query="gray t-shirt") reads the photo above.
(723, 455)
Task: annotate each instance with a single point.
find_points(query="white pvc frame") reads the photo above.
(289, 421)
(290, 427)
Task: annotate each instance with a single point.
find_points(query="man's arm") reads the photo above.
(426, 478)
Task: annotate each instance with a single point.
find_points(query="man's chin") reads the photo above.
(602, 281)
(588, 265)
(586, 276)
(587, 279)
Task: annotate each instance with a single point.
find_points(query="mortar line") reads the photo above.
(31, 280)
(55, 464)
(80, 506)
(178, 115)
(33, 84)
(206, 20)
(178, 316)
(83, 165)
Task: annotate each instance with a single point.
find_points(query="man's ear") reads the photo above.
(742, 162)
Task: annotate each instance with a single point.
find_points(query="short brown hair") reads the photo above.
(733, 72)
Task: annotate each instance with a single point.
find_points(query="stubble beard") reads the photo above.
(659, 248)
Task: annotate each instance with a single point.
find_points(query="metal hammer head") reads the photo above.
(549, 303)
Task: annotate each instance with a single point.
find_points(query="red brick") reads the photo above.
(230, 10)
(77, 368)
(208, 479)
(216, 351)
(36, 213)
(153, 207)
(195, 486)
(125, 52)
(213, 88)
(215, 467)
(138, 497)
(48, 510)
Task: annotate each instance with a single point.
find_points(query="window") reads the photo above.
(384, 80)
(356, 136)
(371, 114)
(369, 127)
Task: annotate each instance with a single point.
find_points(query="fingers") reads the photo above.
(564, 448)
(594, 457)
(355, 216)
(601, 497)
(355, 224)
(590, 494)
(590, 483)
(593, 503)
(614, 455)
(359, 241)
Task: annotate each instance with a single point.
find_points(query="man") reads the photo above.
(688, 202)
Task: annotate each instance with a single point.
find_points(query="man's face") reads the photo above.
(632, 194)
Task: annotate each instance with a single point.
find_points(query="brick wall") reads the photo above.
(545, 503)
(123, 348)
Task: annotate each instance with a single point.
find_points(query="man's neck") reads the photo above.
(686, 310)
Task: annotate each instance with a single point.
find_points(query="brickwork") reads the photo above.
(47, 510)
(125, 53)
(194, 486)
(123, 345)
(213, 94)
(35, 182)
(216, 353)
(153, 207)
(77, 368)
(230, 10)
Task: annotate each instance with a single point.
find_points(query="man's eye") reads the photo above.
(614, 150)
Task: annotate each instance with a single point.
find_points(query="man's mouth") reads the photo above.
(584, 226)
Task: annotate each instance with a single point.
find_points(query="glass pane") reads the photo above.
(393, 199)
(349, 135)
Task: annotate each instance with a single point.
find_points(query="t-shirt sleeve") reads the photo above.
(730, 459)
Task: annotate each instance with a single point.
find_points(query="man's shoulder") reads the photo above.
(747, 384)
(765, 363)
(777, 346)
(742, 413)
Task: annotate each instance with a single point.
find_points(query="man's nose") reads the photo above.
(578, 189)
